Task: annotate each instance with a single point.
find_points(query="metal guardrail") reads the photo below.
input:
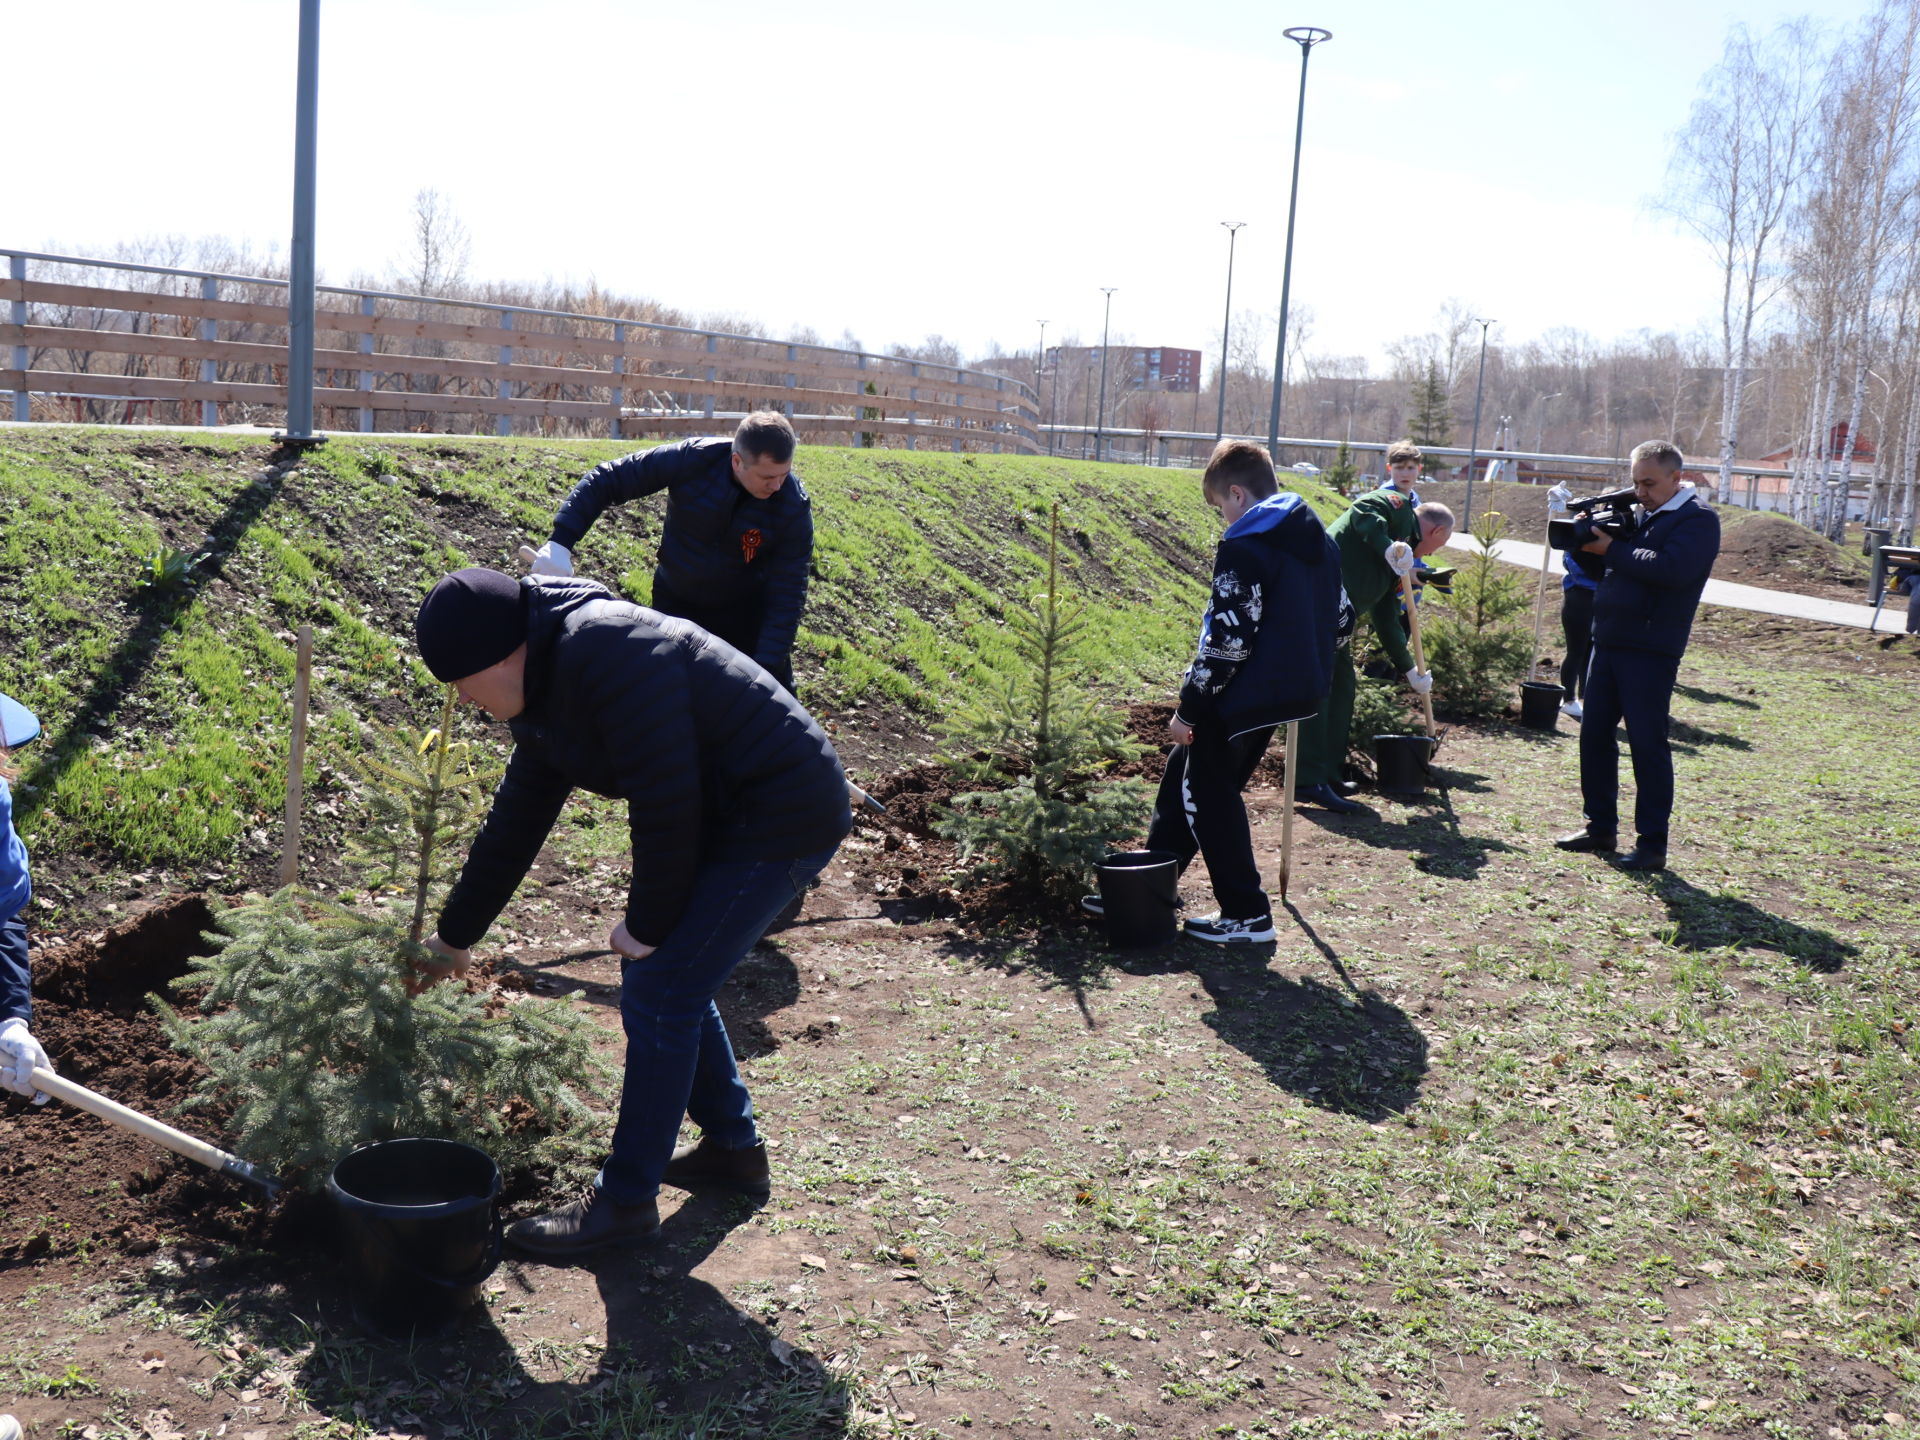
(481, 359)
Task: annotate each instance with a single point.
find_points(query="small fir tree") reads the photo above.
(1478, 646)
(1432, 422)
(1040, 747)
(1342, 473)
(316, 1033)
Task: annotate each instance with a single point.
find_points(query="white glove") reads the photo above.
(20, 1056)
(552, 558)
(1400, 558)
(1420, 681)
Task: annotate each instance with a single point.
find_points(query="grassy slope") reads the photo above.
(168, 710)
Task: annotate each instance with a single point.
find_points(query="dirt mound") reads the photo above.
(1771, 550)
(74, 1184)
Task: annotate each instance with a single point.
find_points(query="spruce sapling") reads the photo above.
(1040, 747)
(308, 1018)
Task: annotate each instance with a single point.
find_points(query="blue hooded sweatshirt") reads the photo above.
(1277, 608)
(15, 888)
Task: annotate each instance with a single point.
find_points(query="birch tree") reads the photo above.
(1737, 169)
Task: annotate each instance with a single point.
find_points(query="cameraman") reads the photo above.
(1649, 587)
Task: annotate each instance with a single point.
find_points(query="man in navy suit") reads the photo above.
(1649, 588)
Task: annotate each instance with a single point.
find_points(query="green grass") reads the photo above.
(168, 706)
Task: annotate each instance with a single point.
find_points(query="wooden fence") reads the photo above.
(190, 347)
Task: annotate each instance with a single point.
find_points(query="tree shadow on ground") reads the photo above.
(1714, 697)
(1705, 921)
(675, 1356)
(1336, 1046)
(1692, 737)
(1435, 840)
(157, 611)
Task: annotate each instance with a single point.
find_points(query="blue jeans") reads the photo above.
(1636, 686)
(679, 1060)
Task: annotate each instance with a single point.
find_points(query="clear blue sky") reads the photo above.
(900, 169)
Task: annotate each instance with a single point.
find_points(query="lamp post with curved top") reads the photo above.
(1473, 448)
(1226, 328)
(1306, 37)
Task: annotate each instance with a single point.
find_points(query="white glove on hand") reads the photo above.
(1420, 681)
(552, 558)
(1400, 558)
(20, 1056)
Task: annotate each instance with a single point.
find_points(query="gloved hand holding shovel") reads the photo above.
(20, 1056)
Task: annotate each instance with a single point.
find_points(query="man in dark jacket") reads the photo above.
(738, 541)
(1381, 536)
(1265, 657)
(735, 802)
(1650, 586)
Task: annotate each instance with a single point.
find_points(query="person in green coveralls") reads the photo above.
(1380, 536)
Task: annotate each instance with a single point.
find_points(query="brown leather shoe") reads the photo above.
(1587, 842)
(591, 1223)
(704, 1163)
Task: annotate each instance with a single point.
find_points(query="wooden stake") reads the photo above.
(1540, 601)
(1419, 652)
(297, 758)
(1286, 807)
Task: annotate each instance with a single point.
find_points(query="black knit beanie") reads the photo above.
(471, 620)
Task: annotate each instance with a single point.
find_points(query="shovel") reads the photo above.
(178, 1141)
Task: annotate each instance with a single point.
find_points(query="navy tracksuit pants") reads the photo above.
(1635, 686)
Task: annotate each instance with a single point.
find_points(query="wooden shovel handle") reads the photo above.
(178, 1141)
(1419, 651)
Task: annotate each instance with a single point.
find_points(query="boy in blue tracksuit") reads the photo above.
(1265, 657)
(20, 1053)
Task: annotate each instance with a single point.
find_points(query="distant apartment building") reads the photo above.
(1136, 367)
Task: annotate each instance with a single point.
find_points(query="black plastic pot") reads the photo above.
(1403, 762)
(1140, 891)
(419, 1231)
(1540, 704)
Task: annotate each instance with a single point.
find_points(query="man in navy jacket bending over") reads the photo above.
(1265, 657)
(1650, 585)
(735, 802)
(738, 541)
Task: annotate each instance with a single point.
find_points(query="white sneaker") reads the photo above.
(1218, 930)
(1571, 709)
(9, 1428)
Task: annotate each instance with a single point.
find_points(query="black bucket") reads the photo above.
(1540, 704)
(1403, 763)
(420, 1228)
(1140, 890)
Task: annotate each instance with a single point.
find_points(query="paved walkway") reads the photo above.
(1724, 592)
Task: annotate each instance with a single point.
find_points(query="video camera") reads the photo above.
(1609, 514)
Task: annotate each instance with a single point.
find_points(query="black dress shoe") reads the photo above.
(1643, 857)
(704, 1163)
(1586, 841)
(591, 1223)
(1324, 797)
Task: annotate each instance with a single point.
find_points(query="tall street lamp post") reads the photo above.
(1306, 37)
(1540, 440)
(300, 278)
(1100, 423)
(1226, 326)
(1039, 364)
(1473, 456)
